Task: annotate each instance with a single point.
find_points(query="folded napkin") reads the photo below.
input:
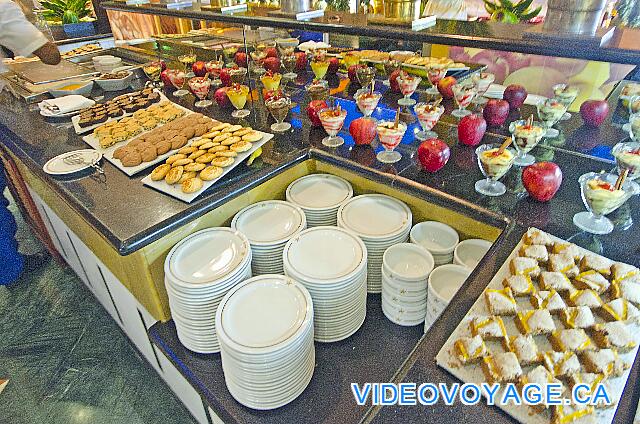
(496, 90)
(66, 104)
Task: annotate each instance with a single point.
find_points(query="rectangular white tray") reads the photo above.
(473, 373)
(176, 190)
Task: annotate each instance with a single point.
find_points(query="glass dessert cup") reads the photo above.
(238, 95)
(365, 75)
(350, 59)
(627, 156)
(565, 94)
(177, 78)
(187, 61)
(549, 112)
(279, 107)
(229, 53)
(634, 105)
(435, 74)
(525, 138)
(289, 64)
(271, 81)
(494, 165)
(483, 81)
(257, 59)
(237, 75)
(199, 87)
(634, 127)
(152, 70)
(600, 197)
(463, 94)
(390, 136)
(332, 119)
(318, 90)
(319, 66)
(214, 67)
(367, 101)
(389, 67)
(408, 85)
(428, 116)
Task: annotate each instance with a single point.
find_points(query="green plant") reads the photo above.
(65, 11)
(509, 12)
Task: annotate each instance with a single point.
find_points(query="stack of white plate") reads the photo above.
(265, 327)
(405, 272)
(331, 263)
(269, 225)
(380, 221)
(199, 271)
(319, 196)
(438, 238)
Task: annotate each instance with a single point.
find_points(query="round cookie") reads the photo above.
(192, 185)
(188, 132)
(232, 129)
(195, 155)
(194, 167)
(199, 142)
(174, 175)
(163, 147)
(231, 140)
(200, 129)
(160, 172)
(186, 175)
(221, 137)
(132, 158)
(211, 134)
(206, 158)
(222, 161)
(227, 154)
(253, 136)
(149, 154)
(241, 146)
(171, 159)
(242, 132)
(121, 152)
(182, 162)
(178, 142)
(188, 150)
(216, 149)
(210, 173)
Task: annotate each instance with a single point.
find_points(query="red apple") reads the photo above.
(542, 180)
(363, 130)
(516, 95)
(496, 112)
(314, 107)
(164, 77)
(220, 96)
(301, 61)
(272, 64)
(199, 68)
(352, 72)
(433, 154)
(271, 52)
(444, 87)
(594, 112)
(471, 129)
(225, 77)
(241, 59)
(393, 80)
(334, 64)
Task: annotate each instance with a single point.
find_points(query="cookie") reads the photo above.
(199, 142)
(187, 150)
(206, 158)
(186, 175)
(182, 162)
(210, 173)
(222, 161)
(221, 137)
(178, 142)
(252, 136)
(163, 147)
(231, 140)
(194, 167)
(160, 172)
(149, 154)
(216, 149)
(232, 129)
(220, 127)
(121, 152)
(174, 175)
(188, 132)
(242, 132)
(207, 146)
(199, 130)
(171, 159)
(241, 146)
(132, 158)
(211, 134)
(192, 185)
(195, 155)
(227, 154)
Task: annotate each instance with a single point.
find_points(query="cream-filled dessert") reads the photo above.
(628, 157)
(319, 66)
(603, 197)
(318, 90)
(550, 111)
(483, 81)
(428, 114)
(332, 119)
(367, 101)
(565, 94)
(238, 94)
(270, 80)
(496, 163)
(463, 94)
(526, 136)
(408, 83)
(390, 135)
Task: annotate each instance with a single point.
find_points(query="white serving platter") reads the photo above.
(176, 190)
(473, 373)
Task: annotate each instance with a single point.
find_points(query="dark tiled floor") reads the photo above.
(68, 362)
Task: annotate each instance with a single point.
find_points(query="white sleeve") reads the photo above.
(16, 32)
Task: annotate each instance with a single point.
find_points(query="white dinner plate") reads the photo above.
(269, 222)
(375, 216)
(319, 192)
(58, 166)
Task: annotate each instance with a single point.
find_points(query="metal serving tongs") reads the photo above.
(76, 159)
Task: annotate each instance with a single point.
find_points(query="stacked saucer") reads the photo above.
(331, 263)
(380, 221)
(199, 271)
(405, 272)
(319, 196)
(438, 238)
(268, 226)
(265, 327)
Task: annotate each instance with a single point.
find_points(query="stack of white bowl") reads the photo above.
(265, 327)
(199, 271)
(380, 221)
(269, 225)
(331, 263)
(438, 238)
(106, 63)
(444, 283)
(469, 252)
(405, 272)
(319, 196)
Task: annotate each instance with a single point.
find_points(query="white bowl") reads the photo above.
(445, 281)
(84, 89)
(408, 262)
(438, 238)
(469, 252)
(115, 84)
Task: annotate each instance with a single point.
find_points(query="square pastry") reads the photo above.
(501, 368)
(561, 364)
(613, 335)
(604, 361)
(534, 236)
(626, 289)
(555, 281)
(525, 349)
(573, 414)
(593, 380)
(549, 300)
(520, 285)
(619, 310)
(596, 263)
(525, 266)
(564, 263)
(489, 328)
(572, 339)
(470, 349)
(541, 377)
(577, 317)
(592, 280)
(623, 272)
(535, 251)
(535, 322)
(569, 249)
(500, 302)
(587, 298)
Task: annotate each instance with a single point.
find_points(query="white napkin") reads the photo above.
(66, 104)
(496, 90)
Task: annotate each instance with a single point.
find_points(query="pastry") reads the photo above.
(195, 155)
(624, 272)
(592, 380)
(520, 285)
(577, 317)
(549, 300)
(592, 280)
(210, 173)
(186, 175)
(534, 236)
(619, 310)
(219, 148)
(187, 150)
(573, 413)
(133, 158)
(604, 361)
(561, 364)
(587, 298)
(555, 281)
(207, 146)
(241, 146)
(199, 142)
(227, 154)
(613, 335)
(470, 349)
(489, 328)
(222, 161)
(501, 368)
(525, 266)
(242, 132)
(564, 263)
(500, 302)
(232, 128)
(535, 251)
(541, 377)
(194, 167)
(192, 185)
(220, 127)
(174, 175)
(160, 172)
(535, 322)
(206, 158)
(596, 263)
(525, 349)
(210, 134)
(182, 162)
(574, 339)
(252, 137)
(220, 138)
(175, 157)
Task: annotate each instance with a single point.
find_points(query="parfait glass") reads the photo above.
(494, 165)
(389, 65)
(565, 94)
(177, 78)
(278, 107)
(634, 105)
(435, 73)
(483, 81)
(289, 64)
(408, 85)
(237, 75)
(258, 58)
(550, 112)
(199, 86)
(601, 197)
(229, 53)
(367, 101)
(332, 119)
(350, 59)
(318, 90)
(365, 75)
(238, 95)
(428, 116)
(525, 137)
(152, 70)
(319, 66)
(390, 135)
(213, 68)
(463, 94)
(271, 81)
(187, 61)
(634, 127)
(627, 157)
